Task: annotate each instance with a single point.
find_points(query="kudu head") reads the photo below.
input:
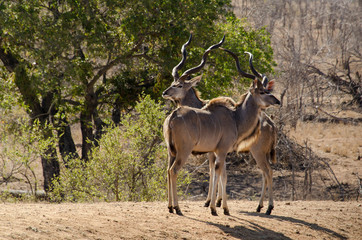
(181, 85)
(265, 87)
(262, 95)
(260, 90)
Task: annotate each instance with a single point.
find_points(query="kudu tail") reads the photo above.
(172, 148)
(273, 156)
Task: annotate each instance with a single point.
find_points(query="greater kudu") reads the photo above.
(263, 150)
(220, 126)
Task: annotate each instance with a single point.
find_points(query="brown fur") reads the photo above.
(170, 140)
(243, 145)
(198, 95)
(221, 101)
(242, 99)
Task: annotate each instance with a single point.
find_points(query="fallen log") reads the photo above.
(21, 193)
(331, 118)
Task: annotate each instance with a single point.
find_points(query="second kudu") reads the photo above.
(221, 126)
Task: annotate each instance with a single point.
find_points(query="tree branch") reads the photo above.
(328, 114)
(9, 61)
(114, 62)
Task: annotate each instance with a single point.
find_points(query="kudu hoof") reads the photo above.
(270, 208)
(207, 203)
(213, 212)
(259, 208)
(226, 212)
(178, 211)
(218, 203)
(170, 209)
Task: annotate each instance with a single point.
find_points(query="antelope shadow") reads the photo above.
(312, 226)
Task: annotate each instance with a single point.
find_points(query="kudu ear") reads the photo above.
(194, 81)
(254, 85)
(257, 84)
(270, 86)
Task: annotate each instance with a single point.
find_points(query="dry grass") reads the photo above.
(341, 140)
(341, 144)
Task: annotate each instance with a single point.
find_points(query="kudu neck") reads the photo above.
(248, 111)
(247, 118)
(191, 99)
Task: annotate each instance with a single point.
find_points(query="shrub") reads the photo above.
(129, 164)
(21, 146)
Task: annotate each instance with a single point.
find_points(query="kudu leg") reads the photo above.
(263, 190)
(180, 159)
(213, 193)
(223, 182)
(263, 163)
(169, 186)
(219, 168)
(175, 205)
(219, 197)
(270, 190)
(211, 157)
(173, 178)
(169, 192)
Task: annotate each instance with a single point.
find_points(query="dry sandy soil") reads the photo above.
(146, 220)
(341, 143)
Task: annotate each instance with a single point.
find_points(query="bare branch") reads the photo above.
(114, 62)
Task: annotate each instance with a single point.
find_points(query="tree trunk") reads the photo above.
(99, 125)
(67, 147)
(86, 123)
(87, 134)
(50, 162)
(116, 112)
(51, 168)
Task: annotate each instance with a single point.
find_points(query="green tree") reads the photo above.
(72, 59)
(87, 61)
(220, 75)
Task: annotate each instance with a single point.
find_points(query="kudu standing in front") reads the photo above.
(219, 127)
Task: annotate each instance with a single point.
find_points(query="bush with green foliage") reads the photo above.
(22, 144)
(129, 164)
(220, 75)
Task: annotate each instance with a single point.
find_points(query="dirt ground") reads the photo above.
(340, 143)
(151, 220)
